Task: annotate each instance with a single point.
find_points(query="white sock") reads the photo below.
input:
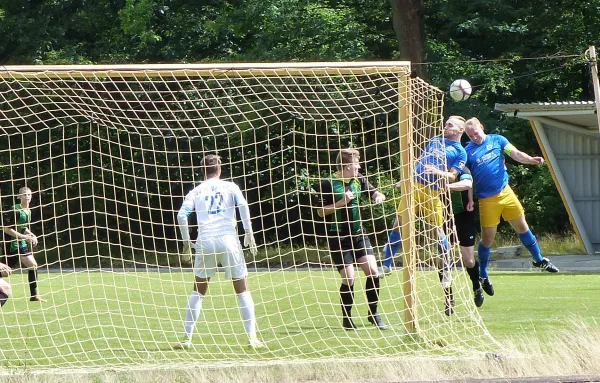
(192, 312)
(247, 311)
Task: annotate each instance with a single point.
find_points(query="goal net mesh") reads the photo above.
(109, 156)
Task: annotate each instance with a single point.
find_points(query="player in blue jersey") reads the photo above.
(440, 163)
(486, 160)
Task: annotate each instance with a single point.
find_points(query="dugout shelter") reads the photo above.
(568, 134)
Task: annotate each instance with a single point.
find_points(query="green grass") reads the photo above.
(115, 319)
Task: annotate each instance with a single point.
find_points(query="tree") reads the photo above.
(409, 24)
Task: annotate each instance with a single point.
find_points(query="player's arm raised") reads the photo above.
(522, 157)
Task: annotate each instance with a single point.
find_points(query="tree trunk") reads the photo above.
(409, 26)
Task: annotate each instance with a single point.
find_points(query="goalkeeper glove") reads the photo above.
(250, 242)
(187, 251)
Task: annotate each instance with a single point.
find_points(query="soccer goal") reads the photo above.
(109, 152)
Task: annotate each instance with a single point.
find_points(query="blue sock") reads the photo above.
(483, 253)
(530, 242)
(391, 248)
(443, 247)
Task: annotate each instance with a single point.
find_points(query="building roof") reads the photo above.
(581, 114)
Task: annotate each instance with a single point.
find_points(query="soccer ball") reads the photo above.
(460, 90)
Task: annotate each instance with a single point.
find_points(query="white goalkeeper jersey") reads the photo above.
(214, 201)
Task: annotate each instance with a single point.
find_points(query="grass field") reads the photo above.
(108, 319)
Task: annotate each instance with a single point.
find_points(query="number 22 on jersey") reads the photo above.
(214, 203)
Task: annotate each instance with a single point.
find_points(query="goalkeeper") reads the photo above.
(214, 201)
(339, 199)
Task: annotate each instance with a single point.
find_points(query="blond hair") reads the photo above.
(346, 157)
(460, 119)
(24, 190)
(473, 121)
(211, 164)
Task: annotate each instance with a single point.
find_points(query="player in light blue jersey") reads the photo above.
(215, 202)
(440, 163)
(485, 158)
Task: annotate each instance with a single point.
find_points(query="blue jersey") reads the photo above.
(486, 162)
(444, 155)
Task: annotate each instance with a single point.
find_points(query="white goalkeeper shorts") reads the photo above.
(225, 250)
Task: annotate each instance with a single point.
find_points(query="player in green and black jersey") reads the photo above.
(16, 224)
(340, 196)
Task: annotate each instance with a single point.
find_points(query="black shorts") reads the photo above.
(347, 250)
(465, 228)
(11, 259)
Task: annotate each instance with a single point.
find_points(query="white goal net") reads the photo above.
(109, 154)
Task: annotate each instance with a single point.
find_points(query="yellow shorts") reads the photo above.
(427, 203)
(505, 204)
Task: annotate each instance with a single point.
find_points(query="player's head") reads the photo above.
(212, 166)
(474, 129)
(454, 128)
(347, 162)
(25, 195)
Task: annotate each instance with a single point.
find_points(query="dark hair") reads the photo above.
(211, 164)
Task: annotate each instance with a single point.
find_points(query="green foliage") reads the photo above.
(136, 18)
(484, 41)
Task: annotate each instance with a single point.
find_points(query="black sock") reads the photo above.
(32, 275)
(347, 299)
(474, 275)
(3, 298)
(372, 291)
(448, 293)
(440, 275)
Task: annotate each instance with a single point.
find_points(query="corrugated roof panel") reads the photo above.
(547, 106)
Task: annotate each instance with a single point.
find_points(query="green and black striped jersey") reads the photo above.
(345, 220)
